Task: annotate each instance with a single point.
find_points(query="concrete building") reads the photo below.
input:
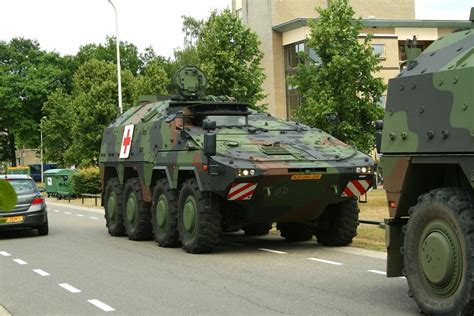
(282, 26)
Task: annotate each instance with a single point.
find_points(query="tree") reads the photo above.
(94, 107)
(153, 80)
(343, 81)
(27, 76)
(230, 56)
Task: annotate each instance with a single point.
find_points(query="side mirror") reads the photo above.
(332, 118)
(378, 135)
(210, 143)
(209, 125)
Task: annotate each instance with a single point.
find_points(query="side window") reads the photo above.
(379, 50)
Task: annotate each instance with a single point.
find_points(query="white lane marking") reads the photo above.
(93, 217)
(41, 272)
(326, 261)
(57, 211)
(19, 261)
(5, 254)
(69, 288)
(377, 272)
(273, 251)
(79, 215)
(68, 213)
(102, 306)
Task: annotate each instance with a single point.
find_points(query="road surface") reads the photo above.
(79, 269)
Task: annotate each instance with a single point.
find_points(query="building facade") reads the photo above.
(282, 26)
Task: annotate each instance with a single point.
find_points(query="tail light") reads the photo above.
(37, 200)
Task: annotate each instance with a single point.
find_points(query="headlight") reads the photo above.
(245, 172)
(363, 170)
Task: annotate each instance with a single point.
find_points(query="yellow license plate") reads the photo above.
(12, 219)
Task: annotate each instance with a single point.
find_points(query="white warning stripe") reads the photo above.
(352, 188)
(241, 191)
(244, 193)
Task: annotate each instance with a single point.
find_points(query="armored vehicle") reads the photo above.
(188, 167)
(428, 163)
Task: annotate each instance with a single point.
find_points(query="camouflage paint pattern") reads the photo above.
(428, 133)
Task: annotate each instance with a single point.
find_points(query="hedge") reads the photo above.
(86, 181)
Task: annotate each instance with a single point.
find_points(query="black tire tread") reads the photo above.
(117, 229)
(295, 232)
(143, 228)
(257, 229)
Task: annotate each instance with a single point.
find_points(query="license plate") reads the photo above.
(11, 219)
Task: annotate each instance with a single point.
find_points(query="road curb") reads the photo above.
(77, 207)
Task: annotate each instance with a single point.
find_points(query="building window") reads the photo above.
(379, 50)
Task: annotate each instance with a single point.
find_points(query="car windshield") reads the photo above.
(23, 186)
(228, 120)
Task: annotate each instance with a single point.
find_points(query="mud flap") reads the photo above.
(394, 237)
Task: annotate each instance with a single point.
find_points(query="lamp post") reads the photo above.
(41, 147)
(119, 76)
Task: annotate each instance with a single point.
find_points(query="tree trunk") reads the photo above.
(11, 143)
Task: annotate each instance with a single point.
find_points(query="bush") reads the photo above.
(86, 181)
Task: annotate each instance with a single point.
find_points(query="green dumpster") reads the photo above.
(64, 182)
(50, 182)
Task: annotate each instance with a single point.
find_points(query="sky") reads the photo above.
(64, 25)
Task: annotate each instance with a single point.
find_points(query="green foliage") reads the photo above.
(153, 80)
(94, 107)
(86, 181)
(229, 54)
(343, 82)
(27, 76)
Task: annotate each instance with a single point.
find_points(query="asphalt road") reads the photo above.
(79, 269)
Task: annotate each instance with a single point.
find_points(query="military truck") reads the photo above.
(428, 163)
(186, 168)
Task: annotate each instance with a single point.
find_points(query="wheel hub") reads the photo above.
(162, 210)
(189, 214)
(112, 206)
(131, 208)
(441, 258)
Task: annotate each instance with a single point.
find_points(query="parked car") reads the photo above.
(30, 210)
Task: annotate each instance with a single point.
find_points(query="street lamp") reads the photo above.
(119, 76)
(41, 147)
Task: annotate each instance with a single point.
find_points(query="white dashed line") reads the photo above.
(19, 261)
(273, 251)
(102, 306)
(57, 211)
(41, 272)
(92, 217)
(377, 272)
(68, 213)
(79, 215)
(5, 254)
(69, 288)
(326, 261)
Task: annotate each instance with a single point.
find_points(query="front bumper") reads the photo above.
(23, 219)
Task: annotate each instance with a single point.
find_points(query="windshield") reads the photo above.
(23, 186)
(228, 120)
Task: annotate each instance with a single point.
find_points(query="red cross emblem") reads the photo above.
(126, 141)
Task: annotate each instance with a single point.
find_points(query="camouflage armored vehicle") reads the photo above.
(428, 163)
(186, 168)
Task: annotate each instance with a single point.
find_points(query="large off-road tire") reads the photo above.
(439, 252)
(338, 225)
(295, 231)
(199, 219)
(113, 204)
(258, 229)
(164, 215)
(136, 217)
(43, 230)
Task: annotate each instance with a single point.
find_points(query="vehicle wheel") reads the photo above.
(338, 224)
(258, 229)
(164, 215)
(114, 208)
(199, 224)
(137, 217)
(439, 252)
(295, 231)
(43, 230)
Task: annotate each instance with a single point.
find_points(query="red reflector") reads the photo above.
(205, 167)
(37, 200)
(392, 204)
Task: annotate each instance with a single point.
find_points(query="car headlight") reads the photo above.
(364, 170)
(245, 172)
